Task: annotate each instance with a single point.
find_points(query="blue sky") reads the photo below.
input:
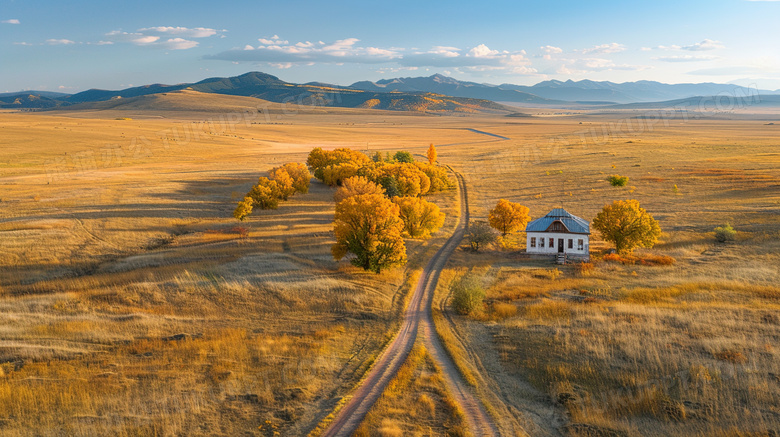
(72, 46)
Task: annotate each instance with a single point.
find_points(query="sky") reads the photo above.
(76, 45)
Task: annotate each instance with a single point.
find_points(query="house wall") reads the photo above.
(556, 235)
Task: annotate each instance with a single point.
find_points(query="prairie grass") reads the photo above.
(415, 402)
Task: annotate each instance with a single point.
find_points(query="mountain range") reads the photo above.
(553, 92)
(436, 93)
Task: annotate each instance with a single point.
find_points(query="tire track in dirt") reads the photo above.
(418, 315)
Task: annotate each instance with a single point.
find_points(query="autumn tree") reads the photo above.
(480, 234)
(410, 180)
(627, 225)
(284, 182)
(432, 154)
(508, 217)
(299, 174)
(266, 194)
(320, 159)
(369, 227)
(357, 185)
(421, 218)
(438, 176)
(334, 175)
(244, 208)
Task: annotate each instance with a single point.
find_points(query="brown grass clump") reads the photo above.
(645, 260)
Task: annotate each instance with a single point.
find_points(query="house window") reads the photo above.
(580, 244)
(552, 242)
(571, 243)
(541, 242)
(533, 241)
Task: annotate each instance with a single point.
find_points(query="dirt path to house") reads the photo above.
(418, 315)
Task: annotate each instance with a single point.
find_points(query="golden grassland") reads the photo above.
(622, 348)
(415, 403)
(116, 236)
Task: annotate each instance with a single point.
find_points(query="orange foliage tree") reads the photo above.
(421, 218)
(627, 225)
(508, 217)
(369, 227)
(432, 155)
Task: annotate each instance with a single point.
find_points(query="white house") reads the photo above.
(559, 233)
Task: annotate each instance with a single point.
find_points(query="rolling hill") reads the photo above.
(271, 89)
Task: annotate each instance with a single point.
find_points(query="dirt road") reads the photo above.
(418, 315)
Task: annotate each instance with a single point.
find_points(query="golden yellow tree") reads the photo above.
(244, 208)
(411, 181)
(508, 217)
(357, 185)
(432, 155)
(298, 172)
(334, 175)
(284, 182)
(319, 160)
(368, 226)
(627, 225)
(438, 176)
(421, 218)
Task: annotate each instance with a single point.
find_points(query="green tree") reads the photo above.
(480, 234)
(368, 226)
(627, 225)
(403, 156)
(390, 185)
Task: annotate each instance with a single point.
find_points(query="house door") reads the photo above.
(560, 245)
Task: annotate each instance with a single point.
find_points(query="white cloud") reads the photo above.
(22, 43)
(145, 40)
(178, 44)
(280, 52)
(605, 48)
(141, 39)
(551, 50)
(707, 44)
(273, 41)
(349, 50)
(196, 32)
(685, 58)
(56, 42)
(482, 51)
(10, 21)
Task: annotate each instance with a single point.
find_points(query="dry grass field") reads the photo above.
(132, 302)
(685, 349)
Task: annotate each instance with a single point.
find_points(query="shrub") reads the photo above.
(402, 156)
(618, 181)
(725, 233)
(480, 234)
(467, 295)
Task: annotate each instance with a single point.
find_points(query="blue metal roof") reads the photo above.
(573, 223)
